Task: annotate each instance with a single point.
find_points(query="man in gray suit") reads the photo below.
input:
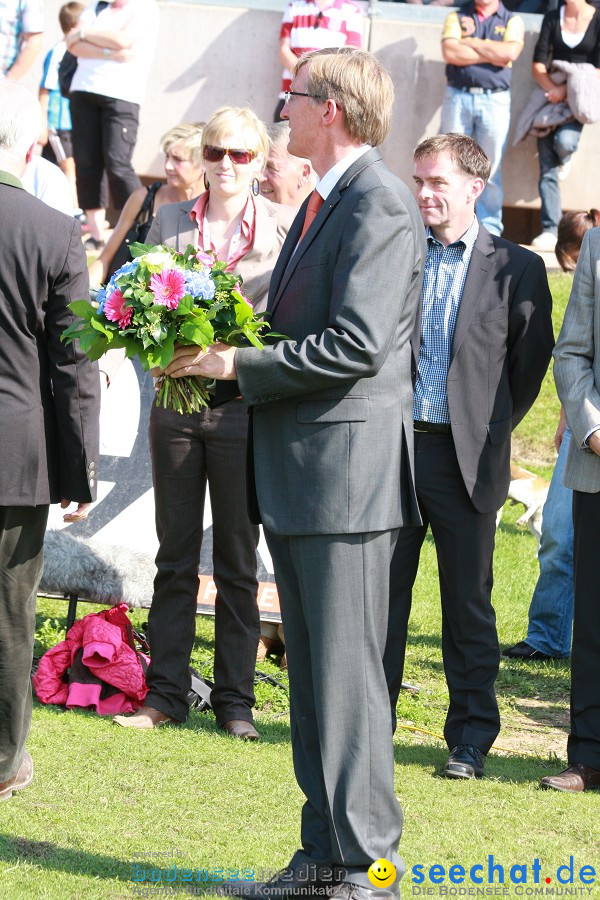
(332, 461)
(49, 405)
(577, 373)
(481, 348)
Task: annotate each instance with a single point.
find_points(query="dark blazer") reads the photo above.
(500, 353)
(332, 406)
(49, 391)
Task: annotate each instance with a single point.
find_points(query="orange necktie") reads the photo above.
(314, 205)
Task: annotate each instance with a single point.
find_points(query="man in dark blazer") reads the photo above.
(49, 406)
(481, 348)
(332, 461)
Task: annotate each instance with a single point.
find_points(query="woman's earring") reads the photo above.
(206, 184)
(255, 186)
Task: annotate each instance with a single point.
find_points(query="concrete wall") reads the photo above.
(211, 54)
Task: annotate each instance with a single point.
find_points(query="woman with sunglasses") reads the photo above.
(189, 451)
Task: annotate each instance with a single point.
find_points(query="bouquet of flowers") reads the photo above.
(160, 298)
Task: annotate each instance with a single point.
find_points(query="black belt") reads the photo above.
(481, 90)
(432, 427)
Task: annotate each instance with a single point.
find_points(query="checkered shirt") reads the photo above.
(17, 17)
(445, 274)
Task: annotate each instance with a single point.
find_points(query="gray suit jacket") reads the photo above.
(173, 227)
(577, 366)
(332, 405)
(500, 352)
(49, 391)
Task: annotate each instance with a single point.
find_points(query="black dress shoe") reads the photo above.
(465, 761)
(239, 728)
(287, 883)
(574, 780)
(525, 653)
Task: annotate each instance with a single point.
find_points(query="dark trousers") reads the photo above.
(464, 542)
(187, 453)
(334, 592)
(21, 559)
(104, 136)
(584, 739)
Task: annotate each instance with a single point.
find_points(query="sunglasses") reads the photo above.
(239, 157)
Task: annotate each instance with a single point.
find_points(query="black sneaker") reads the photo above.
(465, 761)
(525, 653)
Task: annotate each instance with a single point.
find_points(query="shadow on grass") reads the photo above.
(48, 855)
(514, 769)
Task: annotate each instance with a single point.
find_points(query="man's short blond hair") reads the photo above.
(358, 83)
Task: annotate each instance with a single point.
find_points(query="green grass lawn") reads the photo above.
(105, 797)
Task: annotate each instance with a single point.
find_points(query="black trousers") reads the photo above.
(584, 739)
(21, 559)
(187, 453)
(464, 542)
(104, 136)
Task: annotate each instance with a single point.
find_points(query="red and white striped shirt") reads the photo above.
(338, 25)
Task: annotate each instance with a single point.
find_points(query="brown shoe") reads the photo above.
(573, 780)
(147, 717)
(21, 780)
(239, 728)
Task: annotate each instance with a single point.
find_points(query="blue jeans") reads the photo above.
(485, 118)
(551, 609)
(554, 150)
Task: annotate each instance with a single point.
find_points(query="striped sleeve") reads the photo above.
(452, 27)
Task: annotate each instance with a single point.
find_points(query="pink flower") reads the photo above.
(168, 287)
(116, 309)
(206, 259)
(238, 288)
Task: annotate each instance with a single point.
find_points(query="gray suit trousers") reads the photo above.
(21, 559)
(334, 599)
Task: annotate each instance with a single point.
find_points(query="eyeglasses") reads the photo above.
(239, 157)
(289, 94)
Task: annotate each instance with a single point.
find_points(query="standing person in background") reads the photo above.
(56, 137)
(114, 44)
(21, 27)
(551, 608)
(313, 25)
(49, 406)
(286, 178)
(480, 42)
(190, 452)
(331, 466)
(571, 33)
(480, 351)
(577, 373)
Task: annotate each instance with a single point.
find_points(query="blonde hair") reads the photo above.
(229, 118)
(358, 83)
(190, 135)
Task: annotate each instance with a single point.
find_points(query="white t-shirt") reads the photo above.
(48, 183)
(121, 80)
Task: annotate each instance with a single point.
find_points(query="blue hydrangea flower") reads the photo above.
(101, 299)
(199, 284)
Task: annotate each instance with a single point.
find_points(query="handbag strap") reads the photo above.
(147, 210)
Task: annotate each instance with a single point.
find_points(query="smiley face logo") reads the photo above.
(382, 873)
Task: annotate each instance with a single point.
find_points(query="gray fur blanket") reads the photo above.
(101, 573)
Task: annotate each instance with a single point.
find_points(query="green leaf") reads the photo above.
(83, 309)
(137, 249)
(198, 332)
